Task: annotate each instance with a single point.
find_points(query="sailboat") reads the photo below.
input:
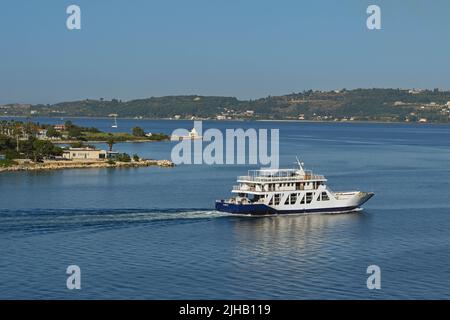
(115, 122)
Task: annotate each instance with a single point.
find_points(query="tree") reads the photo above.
(81, 144)
(92, 130)
(30, 128)
(52, 132)
(123, 157)
(44, 149)
(6, 143)
(68, 124)
(110, 141)
(138, 132)
(8, 147)
(136, 157)
(75, 132)
(26, 147)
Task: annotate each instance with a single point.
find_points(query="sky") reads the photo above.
(242, 48)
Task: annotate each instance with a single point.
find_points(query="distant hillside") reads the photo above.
(342, 105)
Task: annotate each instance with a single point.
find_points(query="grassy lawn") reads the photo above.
(102, 136)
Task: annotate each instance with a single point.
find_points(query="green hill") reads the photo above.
(357, 104)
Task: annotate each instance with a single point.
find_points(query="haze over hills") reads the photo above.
(410, 105)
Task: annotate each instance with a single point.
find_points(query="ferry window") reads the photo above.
(325, 196)
(293, 198)
(288, 200)
(309, 197)
(277, 199)
(303, 200)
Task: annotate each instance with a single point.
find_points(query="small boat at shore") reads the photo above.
(289, 191)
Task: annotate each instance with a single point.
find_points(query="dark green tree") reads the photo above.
(68, 124)
(52, 132)
(138, 132)
(123, 157)
(40, 149)
(75, 132)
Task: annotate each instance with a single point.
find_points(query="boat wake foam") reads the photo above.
(54, 220)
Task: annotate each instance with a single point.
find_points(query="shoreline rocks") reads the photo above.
(59, 165)
(104, 141)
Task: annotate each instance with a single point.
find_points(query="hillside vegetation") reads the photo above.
(342, 105)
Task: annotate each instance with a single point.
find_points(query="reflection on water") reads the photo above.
(284, 235)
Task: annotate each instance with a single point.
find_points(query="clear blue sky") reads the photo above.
(248, 48)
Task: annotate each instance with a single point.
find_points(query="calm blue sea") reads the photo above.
(152, 233)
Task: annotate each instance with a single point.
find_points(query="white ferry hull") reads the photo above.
(339, 206)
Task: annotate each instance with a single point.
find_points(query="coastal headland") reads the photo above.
(28, 146)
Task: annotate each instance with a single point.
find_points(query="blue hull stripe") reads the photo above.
(262, 209)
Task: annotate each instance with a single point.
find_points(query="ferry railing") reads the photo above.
(242, 188)
(281, 179)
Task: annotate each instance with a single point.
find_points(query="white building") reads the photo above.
(88, 154)
(193, 135)
(42, 134)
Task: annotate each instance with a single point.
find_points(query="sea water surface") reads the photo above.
(152, 233)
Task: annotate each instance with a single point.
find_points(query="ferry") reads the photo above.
(289, 191)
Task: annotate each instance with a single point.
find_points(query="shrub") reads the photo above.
(12, 154)
(159, 137)
(7, 163)
(138, 132)
(123, 157)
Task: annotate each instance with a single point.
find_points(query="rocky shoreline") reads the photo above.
(59, 165)
(104, 141)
